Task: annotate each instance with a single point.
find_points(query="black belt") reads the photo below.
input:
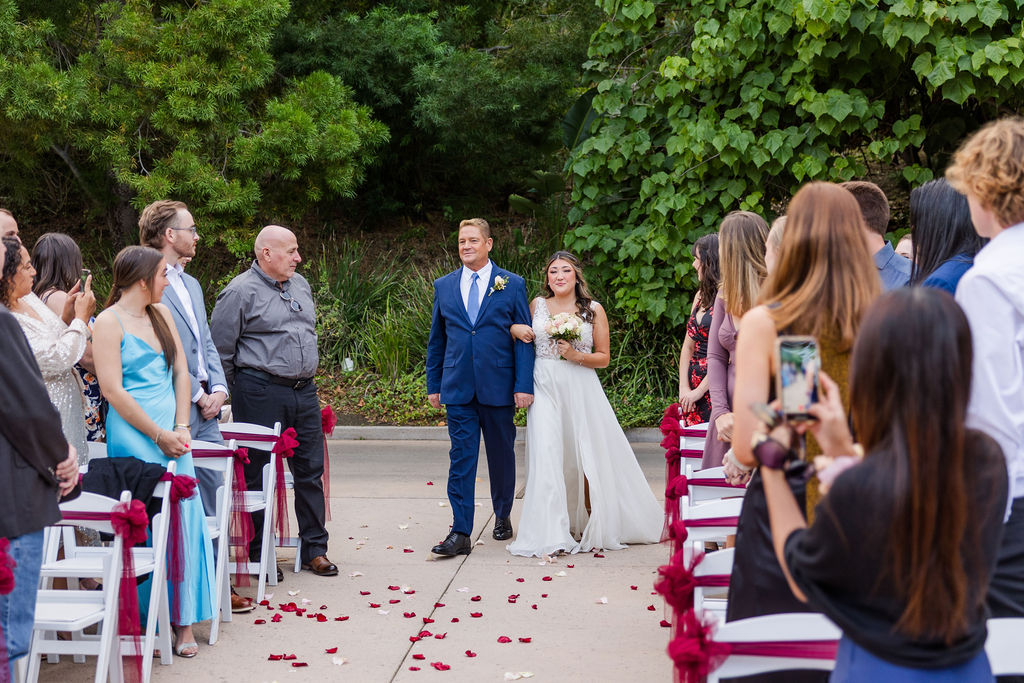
(274, 379)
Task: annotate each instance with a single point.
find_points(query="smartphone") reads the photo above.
(796, 381)
(85, 276)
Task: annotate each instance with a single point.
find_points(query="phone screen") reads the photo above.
(798, 375)
(85, 276)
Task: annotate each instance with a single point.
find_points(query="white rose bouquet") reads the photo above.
(564, 326)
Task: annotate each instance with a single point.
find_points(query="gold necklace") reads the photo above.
(127, 312)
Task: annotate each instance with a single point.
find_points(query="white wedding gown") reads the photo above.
(572, 434)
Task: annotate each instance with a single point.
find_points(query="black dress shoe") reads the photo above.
(455, 544)
(502, 529)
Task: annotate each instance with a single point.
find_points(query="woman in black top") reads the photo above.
(904, 544)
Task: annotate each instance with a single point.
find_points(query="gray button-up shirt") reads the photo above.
(253, 327)
(893, 269)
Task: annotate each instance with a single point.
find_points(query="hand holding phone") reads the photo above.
(796, 378)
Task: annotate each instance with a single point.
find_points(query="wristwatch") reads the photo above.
(770, 453)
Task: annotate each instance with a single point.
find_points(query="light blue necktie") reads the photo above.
(473, 304)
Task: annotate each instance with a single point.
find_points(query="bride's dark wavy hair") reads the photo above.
(583, 296)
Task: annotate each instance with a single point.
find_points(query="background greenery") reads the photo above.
(623, 129)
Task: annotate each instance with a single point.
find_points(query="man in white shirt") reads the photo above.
(989, 169)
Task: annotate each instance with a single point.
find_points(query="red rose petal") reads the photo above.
(407, 550)
(414, 668)
(299, 664)
(260, 621)
(375, 605)
(264, 603)
(476, 615)
(419, 656)
(520, 579)
(321, 618)
(276, 618)
(394, 601)
(525, 640)
(408, 615)
(598, 555)
(414, 639)
(455, 620)
(440, 666)
(545, 578)
(504, 639)
(632, 588)
(428, 620)
(341, 618)
(394, 588)
(275, 658)
(664, 624)
(438, 604)
(441, 636)
(430, 483)
(290, 657)
(323, 606)
(570, 566)
(476, 598)
(299, 612)
(533, 606)
(543, 595)
(470, 653)
(650, 608)
(409, 592)
(425, 634)
(331, 650)
(364, 592)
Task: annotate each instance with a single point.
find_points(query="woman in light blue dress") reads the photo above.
(144, 377)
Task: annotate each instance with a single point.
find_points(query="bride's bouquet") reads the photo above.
(565, 326)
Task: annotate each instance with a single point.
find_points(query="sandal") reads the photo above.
(180, 648)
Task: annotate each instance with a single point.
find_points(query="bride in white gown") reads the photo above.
(574, 445)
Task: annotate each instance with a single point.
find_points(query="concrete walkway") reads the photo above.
(587, 618)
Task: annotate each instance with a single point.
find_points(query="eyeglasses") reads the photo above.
(292, 303)
(191, 230)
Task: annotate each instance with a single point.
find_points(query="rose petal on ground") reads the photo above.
(321, 618)
(419, 656)
(408, 615)
(298, 664)
(331, 650)
(602, 601)
(428, 620)
(543, 595)
(476, 598)
(479, 542)
(438, 604)
(414, 668)
(470, 653)
(408, 550)
(382, 612)
(275, 658)
(440, 666)
(441, 636)
(651, 608)
(570, 566)
(504, 639)
(425, 634)
(561, 574)
(533, 606)
(464, 589)
(323, 606)
(545, 578)
(520, 579)
(664, 624)
(632, 588)
(389, 547)
(525, 640)
(268, 596)
(476, 615)
(289, 657)
(516, 675)
(599, 555)
(442, 504)
(276, 618)
(430, 483)
(375, 605)
(338, 661)
(394, 601)
(295, 592)
(403, 527)
(455, 620)
(364, 592)
(414, 639)
(393, 588)
(265, 603)
(341, 618)
(260, 621)
(407, 590)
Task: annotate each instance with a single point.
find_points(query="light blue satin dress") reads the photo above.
(146, 376)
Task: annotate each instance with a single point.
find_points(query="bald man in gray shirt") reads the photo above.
(264, 327)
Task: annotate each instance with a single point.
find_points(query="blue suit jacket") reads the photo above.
(189, 343)
(481, 360)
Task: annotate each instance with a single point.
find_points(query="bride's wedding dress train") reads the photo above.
(573, 440)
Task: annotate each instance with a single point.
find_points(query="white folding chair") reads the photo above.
(1003, 646)
(248, 435)
(85, 561)
(710, 484)
(717, 563)
(74, 610)
(220, 524)
(780, 628)
(712, 521)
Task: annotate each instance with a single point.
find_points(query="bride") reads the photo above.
(583, 481)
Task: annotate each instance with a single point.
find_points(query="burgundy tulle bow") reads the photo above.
(695, 653)
(7, 566)
(182, 488)
(241, 521)
(284, 447)
(670, 426)
(328, 421)
(676, 489)
(130, 522)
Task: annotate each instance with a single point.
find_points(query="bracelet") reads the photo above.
(156, 439)
(180, 426)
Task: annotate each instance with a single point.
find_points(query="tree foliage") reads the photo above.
(704, 106)
(146, 101)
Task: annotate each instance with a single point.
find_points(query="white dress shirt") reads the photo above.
(481, 285)
(178, 285)
(991, 294)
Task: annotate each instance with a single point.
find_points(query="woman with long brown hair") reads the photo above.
(694, 401)
(741, 246)
(904, 542)
(822, 285)
(144, 376)
(584, 488)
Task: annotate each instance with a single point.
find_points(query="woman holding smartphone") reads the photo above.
(822, 286)
(907, 582)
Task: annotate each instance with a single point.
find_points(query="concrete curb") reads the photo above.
(387, 433)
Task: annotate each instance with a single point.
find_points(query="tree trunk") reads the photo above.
(123, 217)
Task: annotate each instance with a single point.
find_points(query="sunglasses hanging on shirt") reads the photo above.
(292, 303)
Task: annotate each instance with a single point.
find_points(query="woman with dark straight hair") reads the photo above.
(694, 400)
(144, 375)
(904, 542)
(943, 235)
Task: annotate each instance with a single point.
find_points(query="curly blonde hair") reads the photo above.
(989, 166)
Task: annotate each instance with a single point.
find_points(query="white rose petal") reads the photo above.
(403, 527)
(383, 611)
(295, 592)
(355, 574)
(464, 589)
(338, 661)
(561, 574)
(602, 601)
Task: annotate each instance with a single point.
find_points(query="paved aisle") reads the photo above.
(386, 518)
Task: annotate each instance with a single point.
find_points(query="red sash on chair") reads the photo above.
(7, 566)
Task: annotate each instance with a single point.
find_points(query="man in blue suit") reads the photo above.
(482, 375)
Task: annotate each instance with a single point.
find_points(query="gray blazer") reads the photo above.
(189, 342)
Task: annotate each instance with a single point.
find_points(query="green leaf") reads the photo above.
(941, 73)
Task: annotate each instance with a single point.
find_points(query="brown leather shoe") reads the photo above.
(321, 566)
(240, 604)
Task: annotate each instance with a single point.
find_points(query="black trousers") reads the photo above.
(1006, 591)
(256, 400)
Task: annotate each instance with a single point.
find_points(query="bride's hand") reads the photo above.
(523, 333)
(566, 351)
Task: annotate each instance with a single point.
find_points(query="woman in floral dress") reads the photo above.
(693, 359)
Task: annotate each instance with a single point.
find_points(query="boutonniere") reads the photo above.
(499, 284)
